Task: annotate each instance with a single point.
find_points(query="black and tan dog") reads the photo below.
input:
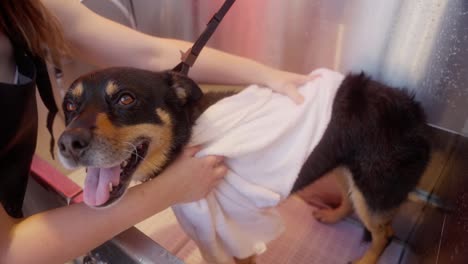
(138, 121)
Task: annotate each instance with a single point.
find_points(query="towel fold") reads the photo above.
(265, 138)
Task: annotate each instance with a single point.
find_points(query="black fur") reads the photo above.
(366, 235)
(380, 134)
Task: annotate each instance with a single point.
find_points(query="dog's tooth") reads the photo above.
(110, 187)
(124, 164)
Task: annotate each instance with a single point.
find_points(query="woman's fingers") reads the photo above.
(291, 91)
(191, 151)
(220, 172)
(214, 160)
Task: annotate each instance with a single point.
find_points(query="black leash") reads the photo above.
(47, 95)
(189, 57)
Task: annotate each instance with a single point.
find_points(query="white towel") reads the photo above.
(265, 138)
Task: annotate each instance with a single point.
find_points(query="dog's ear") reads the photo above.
(186, 89)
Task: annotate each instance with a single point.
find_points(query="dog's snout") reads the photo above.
(74, 142)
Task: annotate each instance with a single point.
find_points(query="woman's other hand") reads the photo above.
(287, 83)
(193, 178)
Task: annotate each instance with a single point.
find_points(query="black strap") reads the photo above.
(45, 91)
(189, 57)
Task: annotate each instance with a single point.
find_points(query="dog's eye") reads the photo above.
(126, 99)
(70, 107)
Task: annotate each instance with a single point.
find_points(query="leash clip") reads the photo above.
(189, 57)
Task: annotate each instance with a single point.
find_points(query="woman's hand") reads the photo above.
(287, 83)
(192, 178)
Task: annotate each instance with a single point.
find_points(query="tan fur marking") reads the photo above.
(77, 91)
(160, 136)
(104, 126)
(181, 93)
(377, 223)
(164, 116)
(111, 88)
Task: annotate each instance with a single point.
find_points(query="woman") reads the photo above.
(26, 28)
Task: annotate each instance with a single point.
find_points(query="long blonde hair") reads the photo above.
(29, 23)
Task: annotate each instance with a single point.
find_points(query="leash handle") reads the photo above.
(189, 57)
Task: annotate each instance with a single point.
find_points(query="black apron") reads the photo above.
(18, 130)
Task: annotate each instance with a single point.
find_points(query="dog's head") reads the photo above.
(124, 124)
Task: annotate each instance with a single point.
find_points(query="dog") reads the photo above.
(138, 121)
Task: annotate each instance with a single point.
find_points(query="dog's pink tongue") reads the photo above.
(96, 188)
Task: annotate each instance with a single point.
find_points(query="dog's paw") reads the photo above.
(327, 216)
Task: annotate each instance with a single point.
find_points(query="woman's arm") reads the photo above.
(107, 43)
(59, 235)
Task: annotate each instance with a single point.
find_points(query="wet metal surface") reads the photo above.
(417, 44)
(440, 235)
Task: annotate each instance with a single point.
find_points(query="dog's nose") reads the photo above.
(73, 142)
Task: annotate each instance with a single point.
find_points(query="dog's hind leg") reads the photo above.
(378, 224)
(330, 216)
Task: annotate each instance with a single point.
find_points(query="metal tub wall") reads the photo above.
(420, 45)
(416, 44)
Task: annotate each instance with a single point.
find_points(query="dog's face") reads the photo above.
(124, 124)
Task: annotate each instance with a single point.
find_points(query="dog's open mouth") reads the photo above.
(104, 186)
